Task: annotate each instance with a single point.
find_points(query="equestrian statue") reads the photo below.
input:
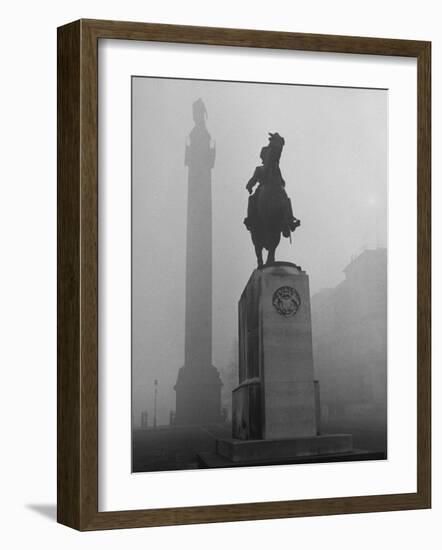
(269, 212)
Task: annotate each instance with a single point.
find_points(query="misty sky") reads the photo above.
(335, 166)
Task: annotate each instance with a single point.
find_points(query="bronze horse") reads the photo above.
(269, 210)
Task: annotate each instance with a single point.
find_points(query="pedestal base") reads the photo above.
(214, 460)
(262, 450)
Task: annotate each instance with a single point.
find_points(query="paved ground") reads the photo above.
(174, 447)
(177, 447)
(363, 437)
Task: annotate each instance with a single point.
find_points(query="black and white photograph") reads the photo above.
(259, 274)
(221, 271)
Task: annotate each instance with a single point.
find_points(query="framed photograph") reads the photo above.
(243, 274)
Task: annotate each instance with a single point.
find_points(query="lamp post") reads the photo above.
(155, 403)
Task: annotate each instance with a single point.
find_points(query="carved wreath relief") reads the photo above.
(286, 301)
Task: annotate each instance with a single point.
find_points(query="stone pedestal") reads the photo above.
(275, 410)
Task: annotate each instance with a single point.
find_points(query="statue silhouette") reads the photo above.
(269, 211)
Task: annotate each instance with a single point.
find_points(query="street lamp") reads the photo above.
(155, 403)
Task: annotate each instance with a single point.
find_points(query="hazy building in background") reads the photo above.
(350, 347)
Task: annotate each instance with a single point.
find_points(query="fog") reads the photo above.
(335, 167)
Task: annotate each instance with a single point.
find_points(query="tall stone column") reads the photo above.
(198, 387)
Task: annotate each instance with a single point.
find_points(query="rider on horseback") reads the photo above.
(269, 173)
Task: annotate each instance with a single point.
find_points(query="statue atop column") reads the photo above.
(269, 212)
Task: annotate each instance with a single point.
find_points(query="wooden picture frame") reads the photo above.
(77, 225)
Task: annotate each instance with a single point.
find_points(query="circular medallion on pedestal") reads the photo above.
(286, 301)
